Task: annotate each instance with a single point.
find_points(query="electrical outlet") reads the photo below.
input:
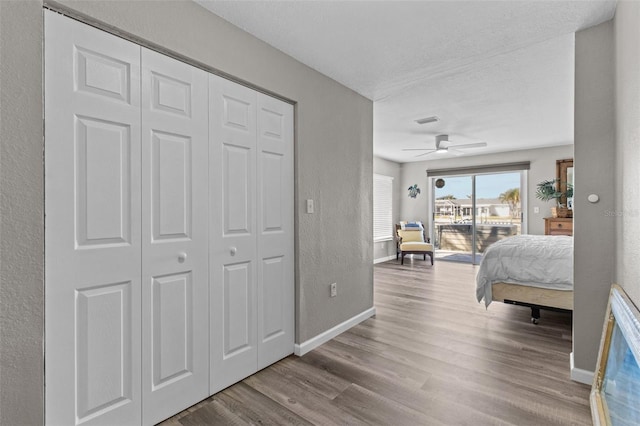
(334, 289)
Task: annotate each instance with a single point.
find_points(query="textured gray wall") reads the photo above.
(594, 148)
(21, 214)
(627, 40)
(383, 249)
(543, 166)
(333, 162)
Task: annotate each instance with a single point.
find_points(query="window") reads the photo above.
(382, 207)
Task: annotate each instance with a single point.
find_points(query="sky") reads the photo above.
(487, 186)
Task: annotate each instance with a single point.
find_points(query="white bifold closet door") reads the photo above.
(175, 241)
(251, 251)
(92, 226)
(232, 121)
(275, 230)
(126, 275)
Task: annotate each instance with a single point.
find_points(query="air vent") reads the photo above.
(426, 120)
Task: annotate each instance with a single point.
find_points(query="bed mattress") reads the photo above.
(530, 260)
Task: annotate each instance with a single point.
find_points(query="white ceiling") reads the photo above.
(499, 72)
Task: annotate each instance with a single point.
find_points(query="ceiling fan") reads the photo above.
(445, 148)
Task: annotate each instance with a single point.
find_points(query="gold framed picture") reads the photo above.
(615, 393)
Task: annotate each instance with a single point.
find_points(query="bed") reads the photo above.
(528, 270)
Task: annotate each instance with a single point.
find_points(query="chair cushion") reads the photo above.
(410, 236)
(415, 246)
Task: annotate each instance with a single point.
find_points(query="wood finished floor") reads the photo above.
(431, 356)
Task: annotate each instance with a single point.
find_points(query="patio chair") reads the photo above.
(412, 242)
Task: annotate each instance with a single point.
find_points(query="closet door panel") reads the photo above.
(275, 227)
(92, 226)
(175, 315)
(236, 316)
(103, 339)
(233, 232)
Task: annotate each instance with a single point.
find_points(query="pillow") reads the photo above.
(409, 236)
(417, 226)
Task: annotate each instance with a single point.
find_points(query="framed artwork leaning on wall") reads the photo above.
(615, 393)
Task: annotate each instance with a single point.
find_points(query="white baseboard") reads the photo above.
(579, 375)
(384, 259)
(314, 342)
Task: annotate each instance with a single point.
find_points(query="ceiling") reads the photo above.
(499, 72)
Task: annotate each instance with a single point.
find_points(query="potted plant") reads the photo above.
(550, 190)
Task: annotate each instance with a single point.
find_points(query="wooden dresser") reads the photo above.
(558, 226)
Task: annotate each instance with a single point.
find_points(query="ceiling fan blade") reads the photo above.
(426, 153)
(471, 145)
(455, 152)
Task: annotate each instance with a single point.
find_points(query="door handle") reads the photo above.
(182, 257)
(233, 251)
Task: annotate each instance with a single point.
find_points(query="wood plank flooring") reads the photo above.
(432, 355)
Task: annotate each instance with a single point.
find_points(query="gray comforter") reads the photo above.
(533, 260)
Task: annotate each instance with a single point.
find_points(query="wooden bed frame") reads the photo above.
(535, 298)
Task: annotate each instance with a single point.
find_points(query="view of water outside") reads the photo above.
(498, 213)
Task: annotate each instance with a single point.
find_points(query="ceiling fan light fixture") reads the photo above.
(441, 138)
(426, 120)
(441, 150)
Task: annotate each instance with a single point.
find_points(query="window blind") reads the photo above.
(382, 207)
(473, 170)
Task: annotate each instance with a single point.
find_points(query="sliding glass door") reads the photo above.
(470, 212)
(453, 218)
(499, 208)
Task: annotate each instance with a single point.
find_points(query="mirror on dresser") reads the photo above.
(564, 175)
(564, 182)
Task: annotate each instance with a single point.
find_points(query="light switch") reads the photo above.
(536, 210)
(309, 206)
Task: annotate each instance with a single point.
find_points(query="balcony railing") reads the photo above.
(459, 236)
